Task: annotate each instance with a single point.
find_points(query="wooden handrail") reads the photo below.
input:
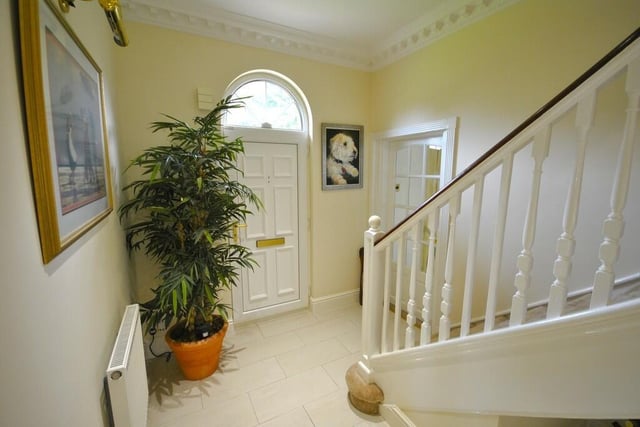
(530, 120)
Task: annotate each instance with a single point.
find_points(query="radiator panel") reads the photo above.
(127, 374)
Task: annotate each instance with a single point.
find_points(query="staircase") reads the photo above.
(512, 291)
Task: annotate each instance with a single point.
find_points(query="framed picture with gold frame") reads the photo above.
(63, 95)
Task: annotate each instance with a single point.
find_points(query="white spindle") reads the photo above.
(427, 299)
(386, 299)
(471, 256)
(565, 246)
(522, 280)
(447, 288)
(498, 241)
(409, 339)
(613, 227)
(398, 303)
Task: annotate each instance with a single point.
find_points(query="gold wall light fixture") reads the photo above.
(112, 11)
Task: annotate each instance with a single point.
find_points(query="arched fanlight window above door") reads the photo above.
(268, 104)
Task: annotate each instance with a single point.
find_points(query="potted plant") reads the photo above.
(182, 213)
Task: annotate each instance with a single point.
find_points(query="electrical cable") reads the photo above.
(166, 354)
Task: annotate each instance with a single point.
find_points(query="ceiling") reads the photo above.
(364, 34)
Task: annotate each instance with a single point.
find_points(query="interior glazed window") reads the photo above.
(267, 105)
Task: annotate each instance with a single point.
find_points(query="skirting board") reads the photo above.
(335, 302)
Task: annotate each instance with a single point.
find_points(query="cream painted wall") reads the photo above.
(497, 72)
(159, 73)
(59, 320)
(492, 75)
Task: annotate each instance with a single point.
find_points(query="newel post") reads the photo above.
(372, 291)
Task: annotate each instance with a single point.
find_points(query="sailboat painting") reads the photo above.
(77, 133)
(63, 93)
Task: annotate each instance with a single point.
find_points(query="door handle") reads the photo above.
(236, 231)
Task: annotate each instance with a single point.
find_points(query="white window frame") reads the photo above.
(279, 80)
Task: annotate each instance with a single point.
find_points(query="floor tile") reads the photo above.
(168, 415)
(324, 330)
(353, 311)
(286, 323)
(241, 333)
(284, 396)
(265, 348)
(310, 356)
(337, 369)
(378, 422)
(352, 340)
(235, 412)
(296, 418)
(334, 410)
(233, 382)
(170, 396)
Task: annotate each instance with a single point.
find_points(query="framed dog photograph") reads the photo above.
(342, 164)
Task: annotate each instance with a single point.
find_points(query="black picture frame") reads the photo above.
(342, 156)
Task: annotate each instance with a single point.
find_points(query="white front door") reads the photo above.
(271, 170)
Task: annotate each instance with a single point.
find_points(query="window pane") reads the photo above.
(416, 192)
(267, 105)
(431, 187)
(434, 157)
(416, 160)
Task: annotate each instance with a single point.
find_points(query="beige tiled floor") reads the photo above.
(286, 371)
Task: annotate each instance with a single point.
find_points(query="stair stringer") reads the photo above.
(396, 417)
(585, 365)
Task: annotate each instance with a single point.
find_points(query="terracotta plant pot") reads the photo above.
(197, 359)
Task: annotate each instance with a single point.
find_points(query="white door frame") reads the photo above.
(301, 139)
(379, 200)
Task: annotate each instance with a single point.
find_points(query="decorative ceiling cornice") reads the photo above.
(427, 30)
(255, 33)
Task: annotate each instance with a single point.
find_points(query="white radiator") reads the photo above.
(127, 373)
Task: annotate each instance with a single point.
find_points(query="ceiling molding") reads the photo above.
(256, 33)
(429, 29)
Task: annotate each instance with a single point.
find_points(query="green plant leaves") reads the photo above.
(181, 213)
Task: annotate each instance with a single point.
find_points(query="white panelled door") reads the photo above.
(418, 173)
(271, 170)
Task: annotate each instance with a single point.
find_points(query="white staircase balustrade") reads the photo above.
(614, 224)
(566, 242)
(387, 299)
(536, 195)
(411, 304)
(400, 247)
(469, 280)
(447, 287)
(427, 299)
(498, 241)
(525, 259)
